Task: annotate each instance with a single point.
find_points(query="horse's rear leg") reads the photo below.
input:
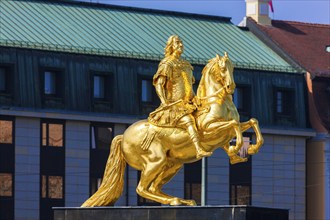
(148, 175)
(155, 165)
(170, 170)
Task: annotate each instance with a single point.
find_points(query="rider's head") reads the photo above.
(173, 46)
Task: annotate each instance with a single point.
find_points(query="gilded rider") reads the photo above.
(173, 83)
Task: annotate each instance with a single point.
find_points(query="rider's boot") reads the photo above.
(192, 131)
(199, 150)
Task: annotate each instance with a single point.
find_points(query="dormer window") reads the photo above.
(2, 79)
(327, 49)
(50, 83)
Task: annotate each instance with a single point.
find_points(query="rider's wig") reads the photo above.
(168, 50)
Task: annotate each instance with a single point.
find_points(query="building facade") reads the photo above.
(306, 45)
(74, 75)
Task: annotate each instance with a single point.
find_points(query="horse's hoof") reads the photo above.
(175, 201)
(252, 150)
(236, 159)
(231, 151)
(201, 153)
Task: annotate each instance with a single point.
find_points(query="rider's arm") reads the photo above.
(160, 88)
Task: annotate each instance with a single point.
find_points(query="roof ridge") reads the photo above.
(303, 23)
(137, 9)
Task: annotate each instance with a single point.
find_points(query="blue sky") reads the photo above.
(310, 11)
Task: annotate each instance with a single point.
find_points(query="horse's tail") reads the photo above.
(113, 178)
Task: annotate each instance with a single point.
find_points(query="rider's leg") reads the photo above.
(189, 122)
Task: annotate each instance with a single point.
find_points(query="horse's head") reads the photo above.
(217, 76)
(223, 73)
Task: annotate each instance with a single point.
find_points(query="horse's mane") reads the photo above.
(208, 67)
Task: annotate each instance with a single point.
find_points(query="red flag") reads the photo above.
(270, 3)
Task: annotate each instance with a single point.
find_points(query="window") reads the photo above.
(242, 100)
(146, 90)
(3, 79)
(6, 132)
(53, 82)
(52, 134)
(52, 166)
(240, 178)
(327, 49)
(192, 181)
(99, 82)
(52, 187)
(6, 79)
(101, 138)
(7, 167)
(95, 184)
(284, 102)
(149, 100)
(6, 184)
(284, 106)
(50, 83)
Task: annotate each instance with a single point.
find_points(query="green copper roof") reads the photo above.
(99, 29)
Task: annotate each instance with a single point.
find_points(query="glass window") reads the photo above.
(193, 180)
(2, 79)
(240, 178)
(52, 134)
(284, 99)
(95, 184)
(101, 137)
(6, 132)
(6, 184)
(241, 98)
(50, 83)
(146, 90)
(52, 187)
(99, 82)
(238, 98)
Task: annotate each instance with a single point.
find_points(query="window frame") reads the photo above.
(240, 174)
(59, 81)
(52, 163)
(98, 156)
(9, 79)
(246, 99)
(147, 106)
(287, 114)
(7, 166)
(108, 86)
(193, 175)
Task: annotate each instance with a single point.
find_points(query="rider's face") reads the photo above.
(178, 46)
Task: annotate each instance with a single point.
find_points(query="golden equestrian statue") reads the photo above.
(183, 129)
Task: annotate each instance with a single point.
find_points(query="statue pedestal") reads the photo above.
(171, 213)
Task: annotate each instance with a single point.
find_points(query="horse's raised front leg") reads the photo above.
(170, 170)
(224, 128)
(234, 158)
(253, 123)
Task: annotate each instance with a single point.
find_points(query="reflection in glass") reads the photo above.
(55, 138)
(99, 87)
(43, 186)
(49, 83)
(6, 132)
(6, 184)
(55, 187)
(2, 79)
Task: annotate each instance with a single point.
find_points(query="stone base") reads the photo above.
(171, 213)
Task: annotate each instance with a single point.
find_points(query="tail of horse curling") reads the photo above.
(113, 178)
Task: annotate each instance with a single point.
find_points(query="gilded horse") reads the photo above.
(159, 153)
